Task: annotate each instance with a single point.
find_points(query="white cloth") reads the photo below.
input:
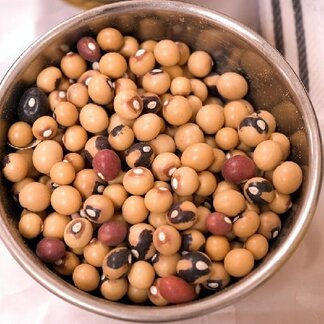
(296, 293)
(302, 33)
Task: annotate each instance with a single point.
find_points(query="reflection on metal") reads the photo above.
(89, 4)
(289, 118)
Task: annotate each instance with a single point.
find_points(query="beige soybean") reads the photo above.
(207, 183)
(227, 138)
(287, 177)
(46, 154)
(210, 118)
(158, 200)
(147, 127)
(167, 52)
(129, 47)
(134, 210)
(198, 156)
(219, 159)
(267, 155)
(174, 71)
(229, 202)
(232, 86)
(76, 160)
(239, 262)
(199, 89)
(180, 86)
(110, 39)
(77, 94)
(258, 245)
(177, 110)
(188, 134)
(35, 197)
(62, 173)
(234, 112)
(48, 79)
(73, 65)
(20, 134)
(117, 194)
(54, 225)
(75, 138)
(128, 104)
(114, 289)
(30, 225)
(200, 64)
(66, 114)
(66, 200)
(138, 181)
(217, 247)
(44, 127)
(283, 142)
(164, 165)
(142, 62)
(15, 167)
(93, 118)
(86, 277)
(184, 52)
(141, 274)
(94, 252)
(100, 89)
(184, 181)
(156, 81)
(163, 143)
(246, 224)
(113, 65)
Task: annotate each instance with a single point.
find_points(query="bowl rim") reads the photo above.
(237, 290)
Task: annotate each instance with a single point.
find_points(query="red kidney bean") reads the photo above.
(176, 290)
(89, 49)
(112, 233)
(50, 249)
(107, 164)
(154, 294)
(238, 168)
(218, 223)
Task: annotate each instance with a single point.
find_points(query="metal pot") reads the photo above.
(273, 86)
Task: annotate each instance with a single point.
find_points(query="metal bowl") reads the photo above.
(273, 86)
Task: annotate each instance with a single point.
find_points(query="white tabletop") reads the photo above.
(295, 294)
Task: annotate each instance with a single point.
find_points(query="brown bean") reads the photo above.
(176, 291)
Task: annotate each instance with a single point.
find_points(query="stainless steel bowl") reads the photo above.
(273, 86)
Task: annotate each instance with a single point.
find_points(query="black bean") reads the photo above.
(32, 105)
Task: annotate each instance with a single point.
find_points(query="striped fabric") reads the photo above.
(296, 29)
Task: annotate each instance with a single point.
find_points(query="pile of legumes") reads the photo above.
(143, 174)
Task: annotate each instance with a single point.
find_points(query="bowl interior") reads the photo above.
(272, 86)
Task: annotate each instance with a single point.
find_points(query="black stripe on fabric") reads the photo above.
(301, 43)
(277, 26)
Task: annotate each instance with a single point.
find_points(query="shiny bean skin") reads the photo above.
(176, 290)
(89, 49)
(218, 223)
(107, 164)
(112, 233)
(50, 250)
(238, 169)
(32, 105)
